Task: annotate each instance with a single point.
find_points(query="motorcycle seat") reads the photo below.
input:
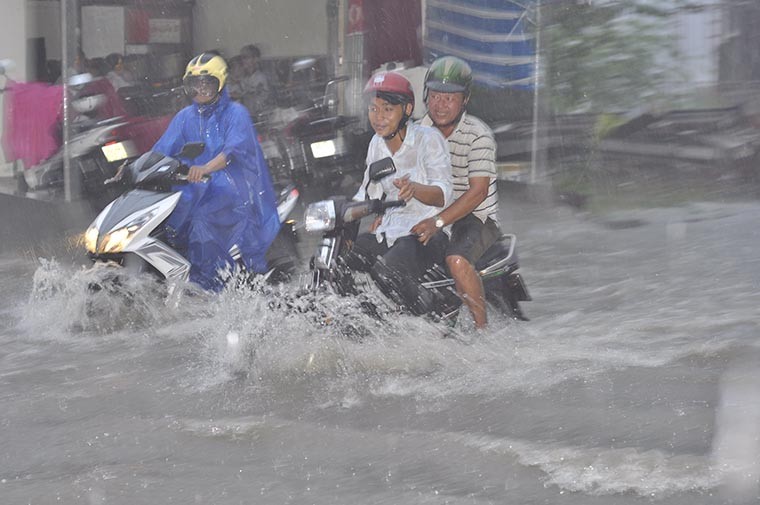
(497, 253)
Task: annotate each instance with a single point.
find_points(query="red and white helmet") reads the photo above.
(391, 87)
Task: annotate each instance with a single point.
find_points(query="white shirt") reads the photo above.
(424, 156)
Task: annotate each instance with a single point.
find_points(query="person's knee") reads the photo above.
(458, 265)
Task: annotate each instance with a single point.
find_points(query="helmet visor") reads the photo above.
(445, 87)
(203, 85)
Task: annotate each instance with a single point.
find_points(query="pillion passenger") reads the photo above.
(473, 216)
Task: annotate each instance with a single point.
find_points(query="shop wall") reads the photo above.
(279, 28)
(13, 36)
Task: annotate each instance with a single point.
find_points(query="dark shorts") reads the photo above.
(396, 269)
(471, 237)
(407, 256)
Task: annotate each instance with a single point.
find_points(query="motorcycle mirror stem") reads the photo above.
(191, 150)
(119, 174)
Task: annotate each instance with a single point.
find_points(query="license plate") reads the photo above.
(119, 150)
(323, 149)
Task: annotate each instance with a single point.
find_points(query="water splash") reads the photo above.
(66, 301)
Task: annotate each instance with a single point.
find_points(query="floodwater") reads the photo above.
(636, 381)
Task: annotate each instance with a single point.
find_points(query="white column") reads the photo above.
(13, 47)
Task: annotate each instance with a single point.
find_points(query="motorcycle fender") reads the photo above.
(516, 284)
(171, 265)
(105, 265)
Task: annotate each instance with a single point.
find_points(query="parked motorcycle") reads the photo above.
(129, 232)
(337, 220)
(308, 141)
(97, 148)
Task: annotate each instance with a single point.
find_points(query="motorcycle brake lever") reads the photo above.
(183, 178)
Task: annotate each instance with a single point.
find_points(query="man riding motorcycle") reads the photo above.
(390, 251)
(237, 206)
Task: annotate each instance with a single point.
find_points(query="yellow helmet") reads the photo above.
(206, 65)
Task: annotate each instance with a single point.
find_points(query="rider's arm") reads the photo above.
(197, 172)
(218, 162)
(427, 194)
(361, 193)
(481, 169)
(468, 201)
(173, 138)
(238, 132)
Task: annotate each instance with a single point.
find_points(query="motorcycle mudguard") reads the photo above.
(516, 284)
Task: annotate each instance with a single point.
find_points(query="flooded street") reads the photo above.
(635, 381)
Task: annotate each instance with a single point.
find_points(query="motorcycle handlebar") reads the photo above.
(184, 170)
(393, 203)
(355, 211)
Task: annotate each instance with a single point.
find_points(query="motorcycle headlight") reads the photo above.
(119, 239)
(91, 239)
(116, 241)
(320, 216)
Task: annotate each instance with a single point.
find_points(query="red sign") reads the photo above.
(138, 31)
(355, 16)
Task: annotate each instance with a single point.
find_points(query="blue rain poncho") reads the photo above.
(237, 206)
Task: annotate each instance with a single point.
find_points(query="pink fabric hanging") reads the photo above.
(32, 112)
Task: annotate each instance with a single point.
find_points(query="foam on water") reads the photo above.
(605, 471)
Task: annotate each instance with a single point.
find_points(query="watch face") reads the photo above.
(439, 223)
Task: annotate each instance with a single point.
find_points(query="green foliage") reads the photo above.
(605, 123)
(608, 55)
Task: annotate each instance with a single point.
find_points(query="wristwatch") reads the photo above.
(439, 222)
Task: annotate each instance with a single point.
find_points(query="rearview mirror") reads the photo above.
(192, 150)
(381, 169)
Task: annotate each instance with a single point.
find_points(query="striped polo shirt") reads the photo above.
(473, 154)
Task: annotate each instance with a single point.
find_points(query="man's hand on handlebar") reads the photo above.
(197, 173)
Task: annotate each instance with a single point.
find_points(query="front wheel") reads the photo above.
(283, 256)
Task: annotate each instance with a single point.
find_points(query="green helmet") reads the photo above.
(449, 74)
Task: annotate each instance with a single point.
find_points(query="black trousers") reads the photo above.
(396, 269)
